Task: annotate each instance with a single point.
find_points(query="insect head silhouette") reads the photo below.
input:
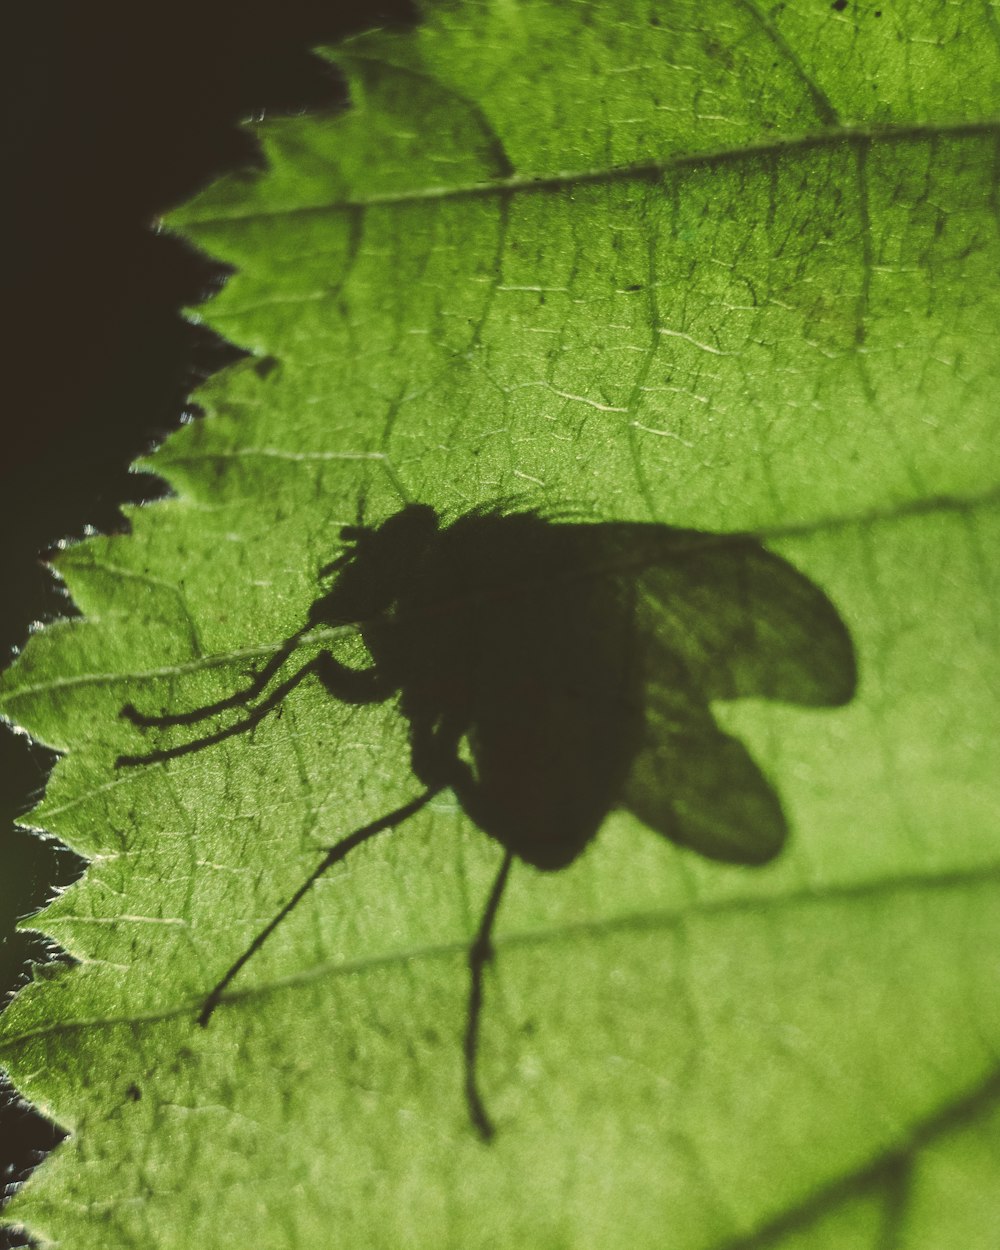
(550, 672)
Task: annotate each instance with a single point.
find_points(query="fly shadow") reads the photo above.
(551, 672)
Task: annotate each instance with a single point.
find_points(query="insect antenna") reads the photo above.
(480, 954)
(333, 856)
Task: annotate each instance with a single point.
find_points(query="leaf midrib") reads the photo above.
(827, 137)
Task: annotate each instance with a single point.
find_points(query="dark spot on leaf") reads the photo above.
(839, 6)
(265, 366)
(133, 1093)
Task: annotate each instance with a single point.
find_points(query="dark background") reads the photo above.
(114, 112)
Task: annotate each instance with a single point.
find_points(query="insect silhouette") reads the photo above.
(551, 671)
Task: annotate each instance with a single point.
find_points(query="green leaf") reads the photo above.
(707, 265)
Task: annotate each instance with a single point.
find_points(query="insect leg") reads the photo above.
(236, 699)
(333, 856)
(252, 718)
(351, 685)
(480, 954)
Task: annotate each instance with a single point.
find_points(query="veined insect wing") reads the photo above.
(699, 787)
(746, 623)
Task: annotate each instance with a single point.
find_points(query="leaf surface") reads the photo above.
(704, 264)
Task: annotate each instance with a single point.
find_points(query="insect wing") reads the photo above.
(699, 787)
(745, 622)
